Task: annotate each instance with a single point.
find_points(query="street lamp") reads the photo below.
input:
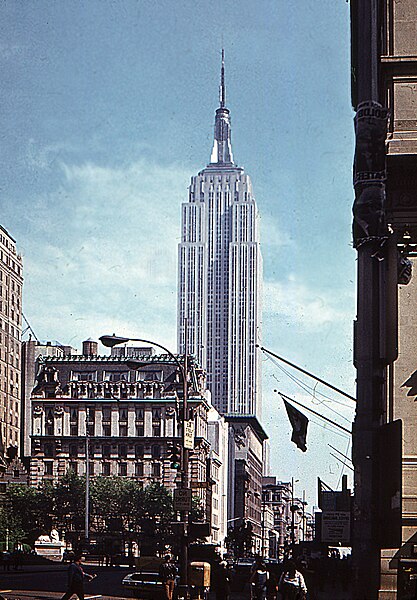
(113, 340)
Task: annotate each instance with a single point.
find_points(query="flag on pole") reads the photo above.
(299, 424)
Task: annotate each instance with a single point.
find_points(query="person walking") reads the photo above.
(76, 577)
(259, 581)
(222, 581)
(168, 573)
(291, 583)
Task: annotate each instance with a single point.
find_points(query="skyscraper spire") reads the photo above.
(222, 84)
(222, 147)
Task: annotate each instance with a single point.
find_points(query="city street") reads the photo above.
(39, 583)
(50, 582)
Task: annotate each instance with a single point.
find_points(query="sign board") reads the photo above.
(335, 527)
(200, 485)
(182, 498)
(189, 435)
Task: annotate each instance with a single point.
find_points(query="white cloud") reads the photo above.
(293, 301)
(101, 251)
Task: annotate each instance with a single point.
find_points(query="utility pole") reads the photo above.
(292, 515)
(87, 477)
(183, 592)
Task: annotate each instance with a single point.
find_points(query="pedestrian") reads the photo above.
(259, 581)
(168, 573)
(222, 581)
(291, 583)
(7, 557)
(76, 577)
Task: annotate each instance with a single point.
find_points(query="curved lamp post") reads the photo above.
(113, 340)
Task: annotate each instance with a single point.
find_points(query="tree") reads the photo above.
(26, 512)
(69, 505)
(156, 518)
(240, 539)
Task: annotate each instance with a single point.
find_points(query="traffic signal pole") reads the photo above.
(183, 588)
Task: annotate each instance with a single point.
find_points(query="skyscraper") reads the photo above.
(11, 282)
(220, 275)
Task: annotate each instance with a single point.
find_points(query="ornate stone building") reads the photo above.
(11, 281)
(127, 418)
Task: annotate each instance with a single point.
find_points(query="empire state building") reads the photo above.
(220, 276)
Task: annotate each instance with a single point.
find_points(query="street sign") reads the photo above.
(182, 498)
(335, 527)
(189, 435)
(200, 485)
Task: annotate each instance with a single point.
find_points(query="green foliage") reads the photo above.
(118, 506)
(239, 540)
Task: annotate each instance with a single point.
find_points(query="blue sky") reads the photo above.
(108, 110)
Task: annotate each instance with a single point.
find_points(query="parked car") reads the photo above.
(144, 585)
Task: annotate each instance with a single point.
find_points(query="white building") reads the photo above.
(220, 276)
(218, 436)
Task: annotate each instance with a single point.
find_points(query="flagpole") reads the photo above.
(284, 397)
(287, 362)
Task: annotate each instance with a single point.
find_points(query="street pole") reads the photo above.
(113, 340)
(370, 239)
(87, 478)
(183, 591)
(292, 514)
(304, 515)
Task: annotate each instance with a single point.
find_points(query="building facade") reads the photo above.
(11, 282)
(385, 71)
(220, 276)
(289, 513)
(246, 444)
(125, 421)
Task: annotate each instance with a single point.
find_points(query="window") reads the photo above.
(84, 376)
(156, 430)
(139, 414)
(139, 469)
(156, 470)
(105, 469)
(156, 414)
(140, 430)
(106, 451)
(49, 468)
(73, 450)
(156, 451)
(106, 414)
(122, 450)
(139, 451)
(123, 469)
(123, 430)
(91, 467)
(74, 430)
(116, 376)
(106, 430)
(49, 450)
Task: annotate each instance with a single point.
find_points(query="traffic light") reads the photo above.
(175, 457)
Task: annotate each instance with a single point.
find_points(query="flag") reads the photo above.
(299, 424)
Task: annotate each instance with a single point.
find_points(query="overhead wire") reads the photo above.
(308, 391)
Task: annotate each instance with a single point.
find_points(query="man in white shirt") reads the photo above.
(291, 583)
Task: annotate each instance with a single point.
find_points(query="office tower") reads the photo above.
(220, 275)
(10, 333)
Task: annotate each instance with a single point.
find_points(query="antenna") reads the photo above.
(222, 93)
